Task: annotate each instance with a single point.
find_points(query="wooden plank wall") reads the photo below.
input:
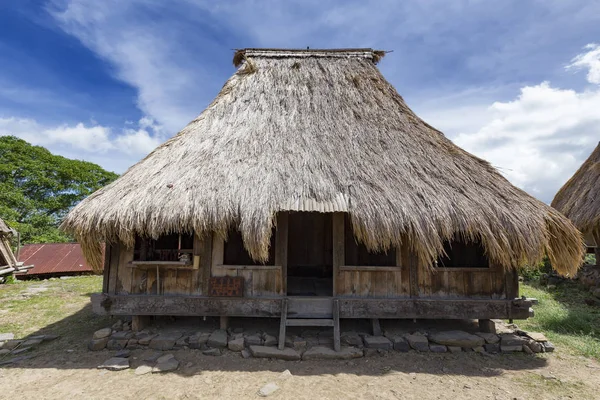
(123, 278)
(366, 281)
(462, 282)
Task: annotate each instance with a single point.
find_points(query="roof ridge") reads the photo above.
(369, 53)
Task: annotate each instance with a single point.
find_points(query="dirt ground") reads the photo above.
(65, 369)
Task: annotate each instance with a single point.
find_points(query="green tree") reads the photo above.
(38, 188)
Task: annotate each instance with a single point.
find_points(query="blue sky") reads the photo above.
(515, 82)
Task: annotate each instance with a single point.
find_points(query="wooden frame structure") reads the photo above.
(141, 288)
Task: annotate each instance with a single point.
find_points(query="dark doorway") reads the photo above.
(310, 254)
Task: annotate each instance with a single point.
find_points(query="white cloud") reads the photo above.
(540, 138)
(114, 150)
(589, 60)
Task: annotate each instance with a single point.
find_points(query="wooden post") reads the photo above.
(114, 267)
(336, 325)
(139, 322)
(283, 323)
(281, 247)
(338, 247)
(106, 272)
(487, 326)
(376, 327)
(223, 322)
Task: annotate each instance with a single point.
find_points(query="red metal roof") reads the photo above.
(53, 258)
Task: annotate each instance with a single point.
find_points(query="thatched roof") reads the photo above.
(322, 130)
(4, 229)
(579, 198)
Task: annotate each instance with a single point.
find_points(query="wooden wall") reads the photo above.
(402, 280)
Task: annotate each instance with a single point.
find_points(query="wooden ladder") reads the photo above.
(333, 322)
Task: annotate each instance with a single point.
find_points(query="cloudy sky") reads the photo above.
(514, 82)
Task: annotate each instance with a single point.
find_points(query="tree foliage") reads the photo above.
(38, 188)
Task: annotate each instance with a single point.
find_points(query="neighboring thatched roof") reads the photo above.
(322, 130)
(579, 198)
(4, 229)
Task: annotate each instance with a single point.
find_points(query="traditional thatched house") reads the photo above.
(309, 190)
(579, 200)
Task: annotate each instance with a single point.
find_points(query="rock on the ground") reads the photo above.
(537, 336)
(20, 350)
(164, 341)
(254, 340)
(102, 333)
(535, 346)
(377, 342)
(218, 339)
(268, 389)
(122, 335)
(270, 340)
(115, 364)
(352, 339)
(117, 326)
(116, 344)
(246, 353)
(4, 352)
(143, 370)
(164, 358)
(490, 338)
(418, 341)
(170, 365)
(509, 342)
(98, 344)
(526, 349)
(454, 349)
(456, 338)
(437, 348)
(6, 336)
(548, 347)
(273, 352)
(326, 353)
(123, 353)
(198, 340)
(145, 338)
(212, 352)
(400, 344)
(285, 374)
(11, 344)
(492, 348)
(236, 344)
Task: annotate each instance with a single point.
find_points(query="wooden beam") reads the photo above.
(369, 268)
(281, 247)
(271, 307)
(434, 309)
(338, 247)
(223, 322)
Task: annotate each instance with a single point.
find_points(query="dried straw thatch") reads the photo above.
(322, 130)
(579, 198)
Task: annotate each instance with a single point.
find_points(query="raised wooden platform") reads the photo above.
(270, 307)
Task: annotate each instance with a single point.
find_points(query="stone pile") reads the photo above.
(9, 346)
(316, 344)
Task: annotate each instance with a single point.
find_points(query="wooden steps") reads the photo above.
(324, 312)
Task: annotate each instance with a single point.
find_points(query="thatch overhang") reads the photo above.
(579, 198)
(322, 130)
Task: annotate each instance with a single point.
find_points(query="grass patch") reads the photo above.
(564, 318)
(556, 387)
(58, 306)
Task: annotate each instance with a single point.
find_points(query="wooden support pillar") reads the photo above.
(223, 322)
(338, 247)
(336, 325)
(139, 322)
(376, 327)
(487, 326)
(281, 247)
